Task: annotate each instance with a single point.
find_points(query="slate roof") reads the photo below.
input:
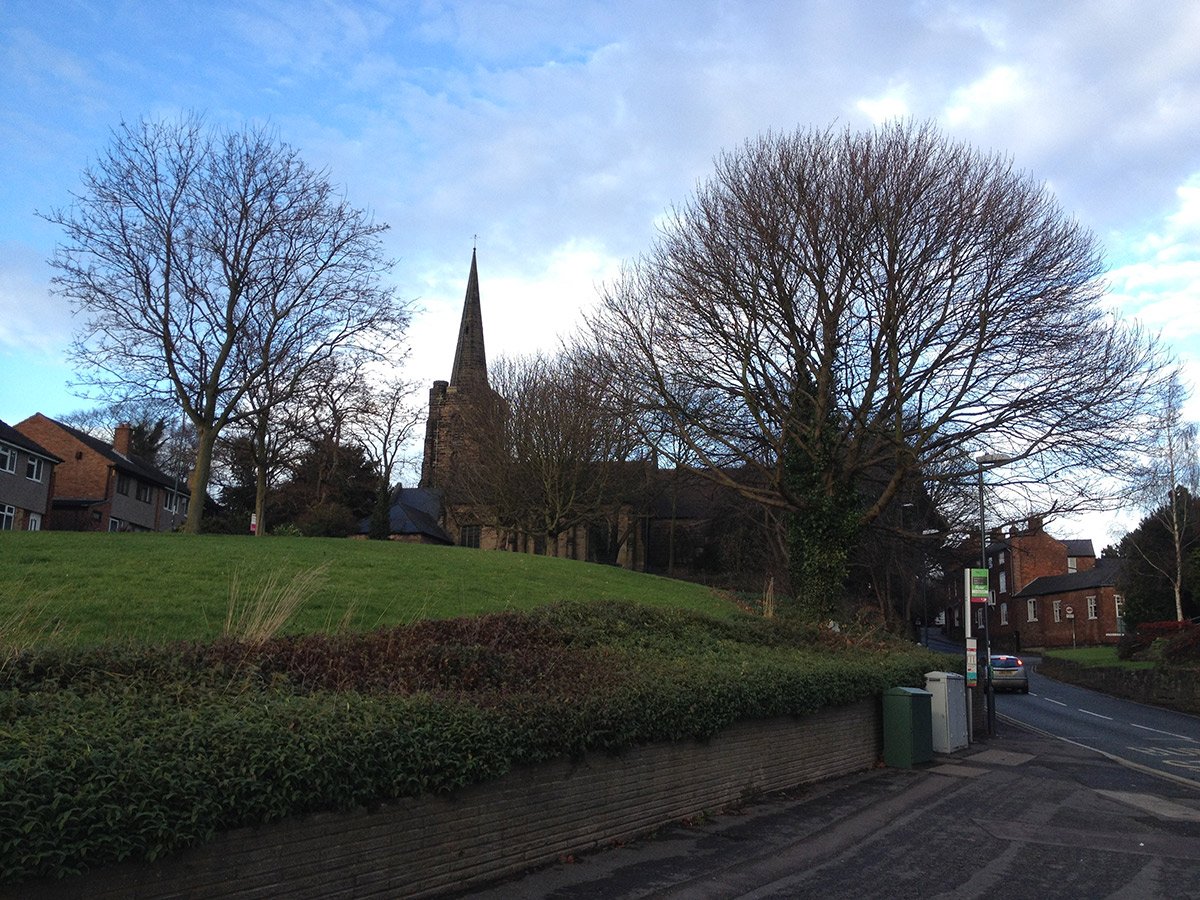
(414, 511)
(132, 464)
(1103, 574)
(1079, 547)
(10, 435)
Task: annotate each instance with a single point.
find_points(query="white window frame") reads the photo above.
(8, 517)
(1003, 613)
(8, 459)
(1072, 564)
(114, 524)
(1057, 610)
(33, 522)
(1091, 605)
(1031, 609)
(1119, 609)
(1003, 581)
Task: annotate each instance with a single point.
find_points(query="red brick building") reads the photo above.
(1049, 592)
(101, 487)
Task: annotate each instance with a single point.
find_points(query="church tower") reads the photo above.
(446, 444)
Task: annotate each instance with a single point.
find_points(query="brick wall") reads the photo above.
(531, 817)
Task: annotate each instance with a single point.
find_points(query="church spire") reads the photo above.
(470, 361)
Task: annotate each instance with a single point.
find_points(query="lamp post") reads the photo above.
(990, 460)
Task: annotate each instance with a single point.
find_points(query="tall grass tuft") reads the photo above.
(768, 600)
(26, 627)
(258, 616)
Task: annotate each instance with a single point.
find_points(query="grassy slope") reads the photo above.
(154, 587)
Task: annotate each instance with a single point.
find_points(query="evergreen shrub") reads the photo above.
(134, 752)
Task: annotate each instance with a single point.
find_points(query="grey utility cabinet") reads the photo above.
(948, 692)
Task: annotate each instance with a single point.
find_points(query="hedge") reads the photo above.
(116, 752)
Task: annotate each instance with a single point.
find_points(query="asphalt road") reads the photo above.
(1161, 741)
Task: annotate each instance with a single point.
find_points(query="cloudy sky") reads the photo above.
(555, 134)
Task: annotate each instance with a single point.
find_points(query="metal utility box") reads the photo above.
(907, 727)
(948, 691)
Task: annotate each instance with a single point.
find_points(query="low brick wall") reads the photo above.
(530, 817)
(1161, 686)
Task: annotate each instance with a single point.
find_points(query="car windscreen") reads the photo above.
(1002, 662)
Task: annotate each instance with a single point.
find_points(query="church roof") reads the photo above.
(470, 360)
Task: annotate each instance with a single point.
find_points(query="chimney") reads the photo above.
(121, 438)
(1036, 524)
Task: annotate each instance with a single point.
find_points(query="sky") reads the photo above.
(554, 136)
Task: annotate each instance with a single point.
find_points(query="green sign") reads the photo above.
(979, 585)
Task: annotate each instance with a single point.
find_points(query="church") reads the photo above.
(683, 524)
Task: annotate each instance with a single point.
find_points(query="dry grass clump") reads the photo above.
(257, 613)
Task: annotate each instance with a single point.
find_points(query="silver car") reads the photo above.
(1009, 673)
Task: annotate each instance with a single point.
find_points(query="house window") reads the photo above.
(8, 458)
(1091, 601)
(7, 515)
(1072, 564)
(1003, 613)
(1057, 610)
(468, 536)
(115, 524)
(1003, 581)
(1031, 610)
(1001, 557)
(122, 484)
(34, 522)
(145, 492)
(33, 469)
(1119, 604)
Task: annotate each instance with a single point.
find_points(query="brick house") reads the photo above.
(1077, 608)
(26, 481)
(101, 487)
(1035, 578)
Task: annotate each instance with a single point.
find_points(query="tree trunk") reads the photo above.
(206, 437)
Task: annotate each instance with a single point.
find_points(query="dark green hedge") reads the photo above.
(134, 752)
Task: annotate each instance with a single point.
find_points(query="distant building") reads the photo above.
(101, 487)
(26, 481)
(1048, 592)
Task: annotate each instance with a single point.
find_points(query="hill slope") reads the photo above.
(157, 587)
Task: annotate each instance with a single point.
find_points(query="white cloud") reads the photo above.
(993, 95)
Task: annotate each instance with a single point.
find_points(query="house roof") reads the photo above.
(414, 511)
(10, 435)
(134, 465)
(1079, 547)
(1103, 574)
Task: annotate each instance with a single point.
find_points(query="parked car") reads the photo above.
(1009, 673)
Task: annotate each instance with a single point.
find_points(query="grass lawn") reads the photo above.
(1098, 656)
(155, 587)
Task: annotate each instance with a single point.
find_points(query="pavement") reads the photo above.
(1019, 815)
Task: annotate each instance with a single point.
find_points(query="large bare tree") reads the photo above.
(201, 259)
(553, 451)
(837, 308)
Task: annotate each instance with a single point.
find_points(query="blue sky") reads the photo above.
(560, 132)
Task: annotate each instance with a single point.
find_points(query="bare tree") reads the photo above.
(551, 453)
(1167, 486)
(384, 427)
(201, 258)
(836, 305)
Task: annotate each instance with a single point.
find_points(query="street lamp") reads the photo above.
(989, 460)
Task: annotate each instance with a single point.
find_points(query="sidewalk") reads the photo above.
(1019, 813)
